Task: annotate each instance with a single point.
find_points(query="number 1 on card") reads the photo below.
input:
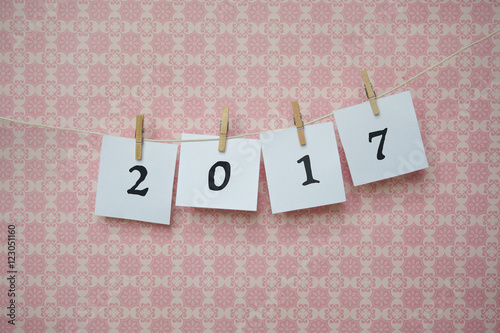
(307, 165)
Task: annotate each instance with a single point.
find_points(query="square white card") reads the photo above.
(301, 177)
(382, 146)
(135, 189)
(209, 178)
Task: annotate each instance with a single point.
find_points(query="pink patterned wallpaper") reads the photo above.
(416, 253)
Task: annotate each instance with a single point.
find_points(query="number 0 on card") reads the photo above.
(209, 178)
(132, 189)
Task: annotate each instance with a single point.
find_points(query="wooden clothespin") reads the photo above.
(139, 130)
(370, 93)
(297, 120)
(224, 128)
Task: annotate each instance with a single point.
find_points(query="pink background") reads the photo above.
(416, 253)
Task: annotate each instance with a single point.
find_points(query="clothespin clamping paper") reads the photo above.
(297, 120)
(370, 93)
(139, 130)
(224, 128)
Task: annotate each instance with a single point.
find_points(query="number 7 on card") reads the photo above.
(381, 146)
(131, 189)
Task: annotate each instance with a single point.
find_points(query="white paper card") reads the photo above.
(382, 146)
(212, 179)
(301, 177)
(135, 189)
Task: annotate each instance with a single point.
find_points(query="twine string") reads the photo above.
(257, 133)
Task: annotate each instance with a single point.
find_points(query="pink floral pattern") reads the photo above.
(416, 253)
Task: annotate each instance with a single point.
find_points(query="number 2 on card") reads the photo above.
(143, 173)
